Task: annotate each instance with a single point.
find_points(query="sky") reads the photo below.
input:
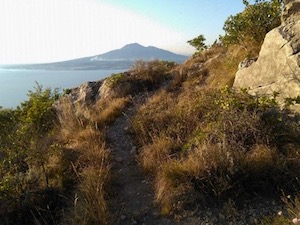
(39, 31)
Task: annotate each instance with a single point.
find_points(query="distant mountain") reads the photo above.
(136, 51)
(116, 59)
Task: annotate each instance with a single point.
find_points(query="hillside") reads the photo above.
(162, 143)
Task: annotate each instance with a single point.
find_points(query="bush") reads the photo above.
(198, 43)
(150, 74)
(26, 145)
(251, 25)
(216, 144)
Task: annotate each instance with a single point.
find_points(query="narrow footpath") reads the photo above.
(132, 190)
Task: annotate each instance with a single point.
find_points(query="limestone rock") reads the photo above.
(105, 90)
(291, 11)
(87, 93)
(277, 67)
(78, 98)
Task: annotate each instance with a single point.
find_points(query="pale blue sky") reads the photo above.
(191, 17)
(34, 31)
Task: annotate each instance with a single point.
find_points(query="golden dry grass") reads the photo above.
(90, 200)
(213, 142)
(83, 136)
(106, 111)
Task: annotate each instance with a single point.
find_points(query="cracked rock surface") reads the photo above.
(277, 68)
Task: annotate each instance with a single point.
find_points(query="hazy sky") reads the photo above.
(35, 31)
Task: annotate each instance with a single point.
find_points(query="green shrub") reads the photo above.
(253, 23)
(198, 43)
(114, 79)
(26, 146)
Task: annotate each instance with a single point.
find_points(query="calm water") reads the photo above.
(14, 84)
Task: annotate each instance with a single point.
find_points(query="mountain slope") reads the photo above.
(136, 51)
(116, 59)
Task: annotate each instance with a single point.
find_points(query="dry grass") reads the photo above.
(69, 120)
(223, 68)
(152, 72)
(213, 68)
(160, 151)
(106, 111)
(90, 202)
(289, 215)
(83, 136)
(215, 143)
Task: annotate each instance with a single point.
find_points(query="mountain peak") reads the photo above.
(133, 45)
(134, 51)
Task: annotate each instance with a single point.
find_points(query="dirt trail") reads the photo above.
(132, 190)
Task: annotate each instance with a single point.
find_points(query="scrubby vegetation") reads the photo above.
(200, 140)
(26, 183)
(250, 26)
(55, 165)
(216, 143)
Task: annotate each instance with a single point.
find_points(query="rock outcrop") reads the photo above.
(86, 94)
(82, 97)
(291, 11)
(277, 68)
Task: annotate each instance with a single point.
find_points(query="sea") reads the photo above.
(15, 83)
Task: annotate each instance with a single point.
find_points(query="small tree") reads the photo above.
(23, 132)
(198, 43)
(251, 25)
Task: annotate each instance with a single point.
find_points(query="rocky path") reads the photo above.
(132, 191)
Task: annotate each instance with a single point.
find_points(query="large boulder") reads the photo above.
(277, 67)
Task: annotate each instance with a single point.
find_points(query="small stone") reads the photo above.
(123, 217)
(125, 128)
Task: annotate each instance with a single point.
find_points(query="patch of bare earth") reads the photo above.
(131, 189)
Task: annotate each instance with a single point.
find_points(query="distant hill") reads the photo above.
(136, 51)
(116, 59)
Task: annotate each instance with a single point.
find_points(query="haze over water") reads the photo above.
(15, 84)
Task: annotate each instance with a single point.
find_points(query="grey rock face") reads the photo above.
(277, 67)
(87, 93)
